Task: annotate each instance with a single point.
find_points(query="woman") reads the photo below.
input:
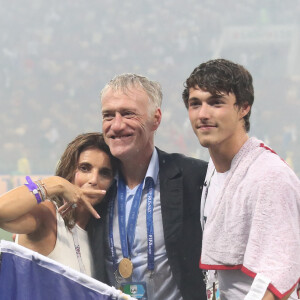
(84, 173)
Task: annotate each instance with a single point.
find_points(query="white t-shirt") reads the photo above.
(233, 284)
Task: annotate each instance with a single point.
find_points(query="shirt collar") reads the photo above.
(152, 171)
(153, 167)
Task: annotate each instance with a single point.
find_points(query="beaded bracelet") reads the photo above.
(34, 189)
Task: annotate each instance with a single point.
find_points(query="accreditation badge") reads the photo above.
(137, 290)
(212, 285)
(212, 291)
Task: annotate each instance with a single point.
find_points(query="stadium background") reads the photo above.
(57, 55)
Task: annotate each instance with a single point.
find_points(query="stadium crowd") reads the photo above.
(56, 57)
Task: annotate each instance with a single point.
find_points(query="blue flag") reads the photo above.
(27, 275)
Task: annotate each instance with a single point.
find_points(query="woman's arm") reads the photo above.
(36, 223)
(270, 296)
(20, 212)
(38, 229)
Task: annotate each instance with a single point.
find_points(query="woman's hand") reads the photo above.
(75, 196)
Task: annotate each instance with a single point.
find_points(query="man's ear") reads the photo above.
(244, 110)
(157, 118)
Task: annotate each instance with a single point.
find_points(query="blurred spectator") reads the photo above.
(56, 57)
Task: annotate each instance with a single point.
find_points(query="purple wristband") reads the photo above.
(34, 189)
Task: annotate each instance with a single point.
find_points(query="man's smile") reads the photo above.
(120, 137)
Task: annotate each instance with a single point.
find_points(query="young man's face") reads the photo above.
(216, 120)
(127, 125)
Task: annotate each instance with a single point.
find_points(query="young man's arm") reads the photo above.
(270, 296)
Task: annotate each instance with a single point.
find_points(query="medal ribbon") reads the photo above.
(111, 205)
(127, 236)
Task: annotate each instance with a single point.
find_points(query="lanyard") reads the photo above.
(205, 272)
(207, 185)
(150, 230)
(127, 234)
(77, 249)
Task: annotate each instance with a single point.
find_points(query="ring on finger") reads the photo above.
(74, 205)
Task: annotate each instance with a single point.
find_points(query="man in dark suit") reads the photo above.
(148, 240)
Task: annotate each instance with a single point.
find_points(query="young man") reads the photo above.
(150, 235)
(250, 208)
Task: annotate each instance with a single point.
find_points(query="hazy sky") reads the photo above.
(57, 55)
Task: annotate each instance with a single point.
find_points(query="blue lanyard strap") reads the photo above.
(111, 205)
(150, 230)
(127, 235)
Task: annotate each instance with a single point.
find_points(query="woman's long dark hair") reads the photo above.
(68, 163)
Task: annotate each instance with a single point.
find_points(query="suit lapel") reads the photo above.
(171, 197)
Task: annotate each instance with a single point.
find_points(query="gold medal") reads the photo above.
(125, 268)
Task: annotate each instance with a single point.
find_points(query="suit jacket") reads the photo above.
(181, 181)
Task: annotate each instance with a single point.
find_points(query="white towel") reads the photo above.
(255, 225)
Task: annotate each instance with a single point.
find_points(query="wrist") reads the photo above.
(55, 185)
(35, 189)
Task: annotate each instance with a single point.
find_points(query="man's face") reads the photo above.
(216, 120)
(127, 125)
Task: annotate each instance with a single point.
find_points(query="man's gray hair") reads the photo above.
(125, 82)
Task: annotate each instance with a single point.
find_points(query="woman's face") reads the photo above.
(94, 171)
